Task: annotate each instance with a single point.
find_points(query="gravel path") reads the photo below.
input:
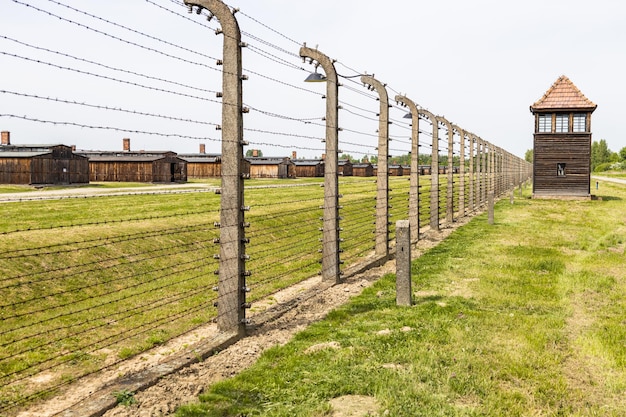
(609, 179)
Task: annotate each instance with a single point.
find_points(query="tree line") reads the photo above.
(424, 159)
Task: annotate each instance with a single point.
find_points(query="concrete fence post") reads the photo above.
(490, 176)
(471, 201)
(450, 172)
(231, 284)
(509, 170)
(461, 171)
(490, 206)
(403, 263)
(434, 170)
(481, 172)
(382, 177)
(330, 228)
(414, 186)
(500, 172)
(496, 171)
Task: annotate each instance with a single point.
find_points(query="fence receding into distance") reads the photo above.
(88, 282)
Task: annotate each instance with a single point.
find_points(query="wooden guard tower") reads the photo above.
(562, 142)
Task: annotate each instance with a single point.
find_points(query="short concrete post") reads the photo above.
(512, 195)
(490, 206)
(520, 190)
(403, 263)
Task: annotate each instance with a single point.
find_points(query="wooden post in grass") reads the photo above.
(403, 263)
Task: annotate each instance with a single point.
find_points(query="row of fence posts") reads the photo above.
(491, 171)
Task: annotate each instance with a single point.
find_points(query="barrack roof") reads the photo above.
(562, 95)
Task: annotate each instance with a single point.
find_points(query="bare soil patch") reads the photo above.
(354, 406)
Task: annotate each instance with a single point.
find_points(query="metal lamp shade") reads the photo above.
(315, 77)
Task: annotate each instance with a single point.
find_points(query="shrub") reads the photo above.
(125, 397)
(605, 166)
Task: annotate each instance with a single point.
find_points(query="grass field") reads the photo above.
(88, 282)
(523, 318)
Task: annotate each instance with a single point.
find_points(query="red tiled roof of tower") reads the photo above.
(563, 95)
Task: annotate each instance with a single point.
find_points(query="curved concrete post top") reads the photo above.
(222, 12)
(460, 131)
(327, 64)
(445, 121)
(413, 110)
(429, 115)
(376, 85)
(407, 102)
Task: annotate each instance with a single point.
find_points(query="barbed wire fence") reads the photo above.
(83, 295)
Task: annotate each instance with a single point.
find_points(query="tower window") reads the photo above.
(560, 169)
(580, 122)
(562, 123)
(545, 123)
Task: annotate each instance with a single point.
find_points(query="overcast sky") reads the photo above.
(480, 64)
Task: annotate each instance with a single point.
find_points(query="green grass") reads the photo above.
(522, 318)
(4, 188)
(88, 281)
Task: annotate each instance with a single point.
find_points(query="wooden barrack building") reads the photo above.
(344, 167)
(41, 164)
(271, 167)
(202, 165)
(309, 167)
(363, 169)
(135, 166)
(142, 166)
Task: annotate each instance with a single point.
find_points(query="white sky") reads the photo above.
(480, 64)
